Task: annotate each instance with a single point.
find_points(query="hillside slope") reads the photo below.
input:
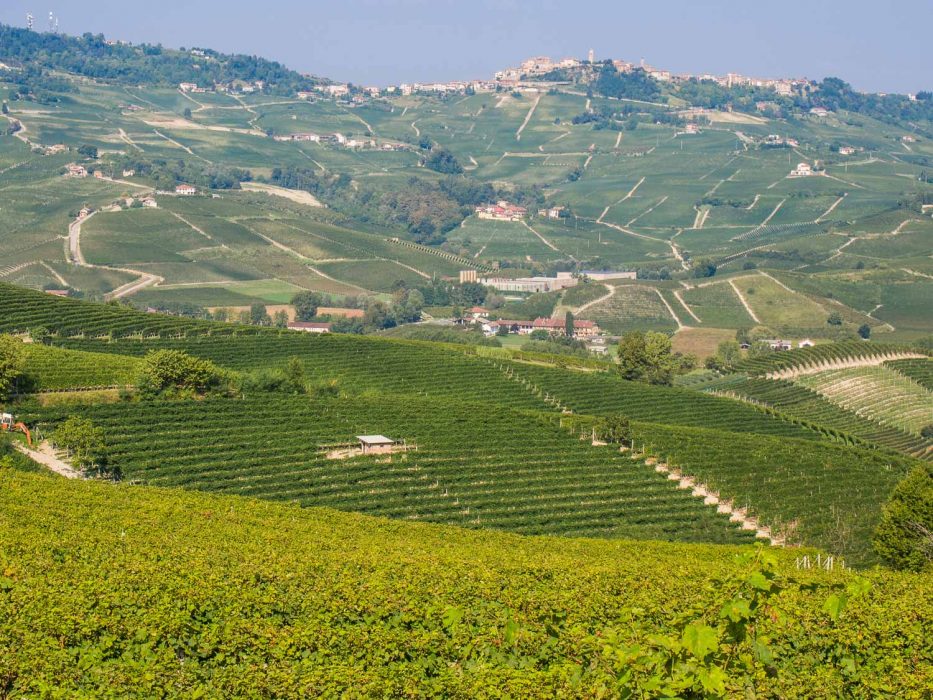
(135, 591)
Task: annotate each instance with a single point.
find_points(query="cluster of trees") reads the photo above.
(634, 85)
(428, 210)
(90, 55)
(405, 307)
(168, 173)
(442, 160)
(35, 84)
(648, 357)
(542, 341)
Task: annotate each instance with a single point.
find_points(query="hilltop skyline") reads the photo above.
(359, 41)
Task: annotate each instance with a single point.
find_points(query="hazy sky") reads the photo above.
(880, 46)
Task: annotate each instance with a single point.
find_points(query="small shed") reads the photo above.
(375, 444)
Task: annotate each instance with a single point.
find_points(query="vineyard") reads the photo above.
(22, 310)
(801, 402)
(825, 356)
(474, 466)
(117, 590)
(877, 393)
(825, 495)
(50, 368)
(920, 370)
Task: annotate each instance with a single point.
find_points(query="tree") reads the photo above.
(280, 319)
(187, 113)
(6, 108)
(568, 324)
(616, 429)
(539, 334)
(704, 268)
(295, 371)
(12, 364)
(834, 319)
(728, 353)
(904, 537)
(87, 150)
(306, 305)
(647, 357)
(163, 370)
(443, 161)
(864, 331)
(85, 444)
(258, 315)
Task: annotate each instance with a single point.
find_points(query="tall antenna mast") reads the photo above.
(30, 21)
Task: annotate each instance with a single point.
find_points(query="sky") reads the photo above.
(876, 46)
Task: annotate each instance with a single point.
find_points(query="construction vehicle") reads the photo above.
(8, 424)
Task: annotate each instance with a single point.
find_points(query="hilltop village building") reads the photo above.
(501, 211)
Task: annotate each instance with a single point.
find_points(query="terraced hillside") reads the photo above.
(652, 198)
(800, 401)
(877, 393)
(474, 465)
(498, 437)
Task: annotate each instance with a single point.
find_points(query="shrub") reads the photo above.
(164, 370)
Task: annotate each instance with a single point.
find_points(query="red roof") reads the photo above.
(477, 310)
(559, 323)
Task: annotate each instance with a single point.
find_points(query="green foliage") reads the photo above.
(174, 593)
(306, 305)
(647, 357)
(164, 370)
(904, 538)
(443, 161)
(12, 364)
(85, 444)
(91, 56)
(87, 150)
(635, 85)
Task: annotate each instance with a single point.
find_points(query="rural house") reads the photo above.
(185, 190)
(309, 326)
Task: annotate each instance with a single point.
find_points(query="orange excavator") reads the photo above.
(8, 424)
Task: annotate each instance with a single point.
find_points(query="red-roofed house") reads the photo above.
(557, 326)
(186, 190)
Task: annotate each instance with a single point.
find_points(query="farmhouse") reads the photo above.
(846, 150)
(551, 213)
(776, 344)
(692, 128)
(85, 212)
(150, 203)
(309, 326)
(75, 170)
(802, 170)
(557, 326)
(55, 149)
(501, 211)
(819, 112)
(129, 173)
(187, 87)
(99, 174)
(185, 190)
(477, 312)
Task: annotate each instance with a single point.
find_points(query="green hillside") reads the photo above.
(639, 193)
(110, 589)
